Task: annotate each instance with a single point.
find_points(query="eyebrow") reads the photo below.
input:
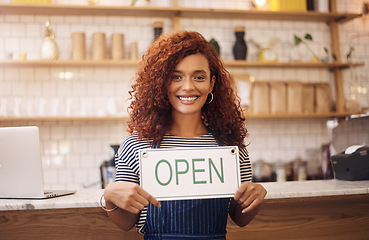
(196, 71)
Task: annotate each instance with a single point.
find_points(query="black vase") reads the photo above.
(158, 30)
(240, 46)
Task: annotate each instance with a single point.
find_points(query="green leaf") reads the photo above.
(326, 50)
(215, 44)
(308, 37)
(297, 40)
(334, 57)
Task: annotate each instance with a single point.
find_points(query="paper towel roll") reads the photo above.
(353, 149)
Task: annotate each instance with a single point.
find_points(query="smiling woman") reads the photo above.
(151, 111)
(182, 98)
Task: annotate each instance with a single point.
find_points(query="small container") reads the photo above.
(280, 172)
(134, 51)
(262, 171)
(78, 46)
(117, 46)
(98, 46)
(299, 170)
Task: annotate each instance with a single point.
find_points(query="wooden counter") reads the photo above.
(323, 210)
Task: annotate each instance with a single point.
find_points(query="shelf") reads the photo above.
(51, 119)
(312, 115)
(267, 15)
(80, 10)
(71, 63)
(126, 118)
(240, 63)
(86, 10)
(134, 63)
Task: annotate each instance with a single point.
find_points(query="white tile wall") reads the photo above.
(73, 150)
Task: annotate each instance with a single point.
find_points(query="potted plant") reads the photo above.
(307, 37)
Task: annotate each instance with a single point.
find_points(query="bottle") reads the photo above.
(111, 164)
(326, 162)
(299, 170)
(240, 46)
(49, 49)
(158, 30)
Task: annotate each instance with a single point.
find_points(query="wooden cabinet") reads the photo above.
(329, 217)
(175, 12)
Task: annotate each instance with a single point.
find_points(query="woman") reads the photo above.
(182, 98)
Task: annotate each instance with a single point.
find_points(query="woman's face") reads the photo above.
(190, 85)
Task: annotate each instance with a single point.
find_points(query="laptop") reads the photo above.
(21, 174)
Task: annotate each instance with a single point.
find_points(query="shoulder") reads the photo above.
(244, 155)
(130, 146)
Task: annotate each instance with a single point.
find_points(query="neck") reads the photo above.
(188, 126)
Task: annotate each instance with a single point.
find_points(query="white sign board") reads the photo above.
(190, 173)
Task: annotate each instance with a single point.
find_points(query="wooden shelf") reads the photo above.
(240, 63)
(126, 118)
(312, 115)
(75, 63)
(133, 63)
(58, 9)
(267, 15)
(61, 118)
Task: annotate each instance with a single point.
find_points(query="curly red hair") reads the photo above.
(150, 109)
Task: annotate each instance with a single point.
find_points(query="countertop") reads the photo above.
(280, 190)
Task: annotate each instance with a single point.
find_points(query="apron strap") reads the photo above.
(157, 144)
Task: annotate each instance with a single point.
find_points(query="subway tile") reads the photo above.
(65, 176)
(12, 45)
(72, 161)
(88, 161)
(50, 177)
(80, 176)
(73, 20)
(12, 18)
(27, 45)
(56, 20)
(26, 18)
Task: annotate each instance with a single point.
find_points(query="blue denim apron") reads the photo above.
(187, 219)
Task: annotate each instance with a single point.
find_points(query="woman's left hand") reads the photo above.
(249, 196)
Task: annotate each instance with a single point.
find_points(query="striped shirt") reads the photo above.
(127, 164)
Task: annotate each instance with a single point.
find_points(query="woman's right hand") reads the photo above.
(128, 196)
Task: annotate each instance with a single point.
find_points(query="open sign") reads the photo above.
(190, 173)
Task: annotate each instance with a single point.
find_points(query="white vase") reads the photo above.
(49, 49)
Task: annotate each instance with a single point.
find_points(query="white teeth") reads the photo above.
(188, 98)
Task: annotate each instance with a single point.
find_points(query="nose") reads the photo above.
(188, 84)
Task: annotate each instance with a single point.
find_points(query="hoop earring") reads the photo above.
(212, 97)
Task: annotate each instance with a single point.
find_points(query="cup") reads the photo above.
(98, 46)
(134, 51)
(23, 56)
(117, 46)
(78, 46)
